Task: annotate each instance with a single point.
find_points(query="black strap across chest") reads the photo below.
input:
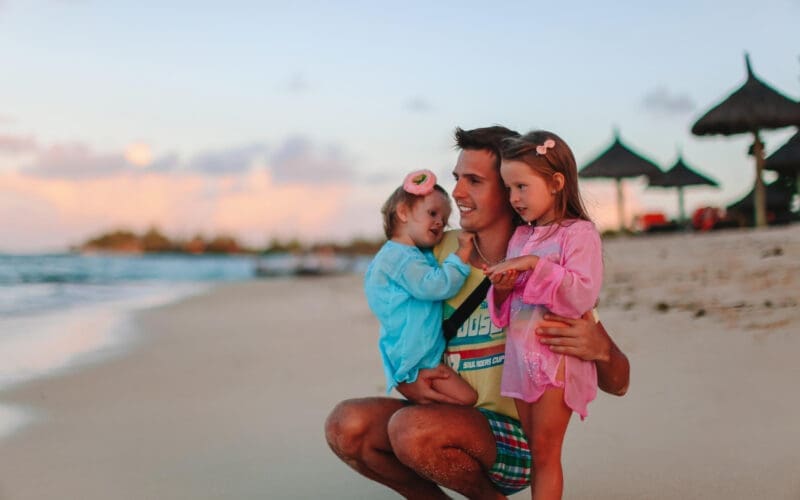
(451, 325)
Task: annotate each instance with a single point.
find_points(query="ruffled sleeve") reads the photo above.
(570, 287)
(500, 313)
(424, 279)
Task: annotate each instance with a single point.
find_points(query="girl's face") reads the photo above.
(426, 220)
(529, 192)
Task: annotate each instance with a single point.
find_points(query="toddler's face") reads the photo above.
(427, 220)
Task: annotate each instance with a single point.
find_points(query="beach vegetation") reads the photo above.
(153, 240)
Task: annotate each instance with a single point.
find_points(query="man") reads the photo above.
(413, 448)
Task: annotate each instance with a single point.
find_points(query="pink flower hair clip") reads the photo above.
(548, 144)
(419, 182)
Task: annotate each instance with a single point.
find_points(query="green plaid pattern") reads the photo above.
(511, 471)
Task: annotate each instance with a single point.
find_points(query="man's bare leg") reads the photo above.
(450, 445)
(356, 431)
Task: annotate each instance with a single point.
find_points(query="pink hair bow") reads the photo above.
(419, 182)
(548, 144)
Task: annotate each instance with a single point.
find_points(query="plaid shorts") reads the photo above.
(511, 471)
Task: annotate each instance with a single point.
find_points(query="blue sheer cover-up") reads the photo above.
(405, 287)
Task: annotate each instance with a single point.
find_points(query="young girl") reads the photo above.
(405, 285)
(553, 263)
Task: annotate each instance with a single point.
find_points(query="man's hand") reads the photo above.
(588, 340)
(580, 337)
(421, 391)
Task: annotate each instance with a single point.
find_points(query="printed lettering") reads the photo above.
(480, 325)
(485, 362)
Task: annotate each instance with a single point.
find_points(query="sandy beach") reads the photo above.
(223, 395)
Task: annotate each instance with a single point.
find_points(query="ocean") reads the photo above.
(58, 311)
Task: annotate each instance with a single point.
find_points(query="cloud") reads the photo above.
(165, 163)
(299, 160)
(383, 177)
(297, 84)
(5, 119)
(661, 100)
(17, 144)
(76, 161)
(418, 105)
(228, 161)
(251, 206)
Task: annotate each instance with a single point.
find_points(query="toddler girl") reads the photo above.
(405, 285)
(553, 263)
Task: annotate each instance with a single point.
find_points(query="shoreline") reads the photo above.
(190, 411)
(55, 342)
(224, 395)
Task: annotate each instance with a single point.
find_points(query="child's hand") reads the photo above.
(502, 281)
(465, 239)
(517, 264)
(465, 244)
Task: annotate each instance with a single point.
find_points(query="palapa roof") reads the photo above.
(619, 161)
(680, 174)
(786, 158)
(754, 106)
(779, 197)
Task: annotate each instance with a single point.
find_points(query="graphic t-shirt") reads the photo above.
(477, 351)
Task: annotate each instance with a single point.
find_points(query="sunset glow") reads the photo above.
(288, 124)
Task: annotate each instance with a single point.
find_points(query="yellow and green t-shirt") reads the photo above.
(477, 351)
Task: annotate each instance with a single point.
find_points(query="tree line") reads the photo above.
(154, 241)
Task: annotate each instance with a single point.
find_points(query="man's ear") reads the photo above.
(402, 212)
(558, 181)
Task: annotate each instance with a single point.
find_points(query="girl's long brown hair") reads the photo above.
(568, 202)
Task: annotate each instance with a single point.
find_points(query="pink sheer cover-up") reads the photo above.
(566, 281)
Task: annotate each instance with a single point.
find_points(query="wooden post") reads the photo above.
(620, 205)
(759, 193)
(682, 209)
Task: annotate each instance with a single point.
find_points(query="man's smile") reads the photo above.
(464, 209)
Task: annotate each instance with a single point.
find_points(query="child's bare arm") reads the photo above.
(456, 388)
(422, 390)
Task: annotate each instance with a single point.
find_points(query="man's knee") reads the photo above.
(346, 427)
(413, 434)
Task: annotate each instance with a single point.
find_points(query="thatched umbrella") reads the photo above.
(679, 176)
(619, 162)
(753, 107)
(786, 160)
(778, 200)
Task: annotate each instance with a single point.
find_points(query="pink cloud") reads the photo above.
(54, 213)
(300, 160)
(17, 144)
(76, 161)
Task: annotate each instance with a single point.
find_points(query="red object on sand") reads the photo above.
(645, 221)
(705, 218)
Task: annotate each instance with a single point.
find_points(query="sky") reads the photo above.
(297, 119)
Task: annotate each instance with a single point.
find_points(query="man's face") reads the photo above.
(479, 194)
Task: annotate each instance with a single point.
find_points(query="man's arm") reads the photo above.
(614, 373)
(588, 340)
